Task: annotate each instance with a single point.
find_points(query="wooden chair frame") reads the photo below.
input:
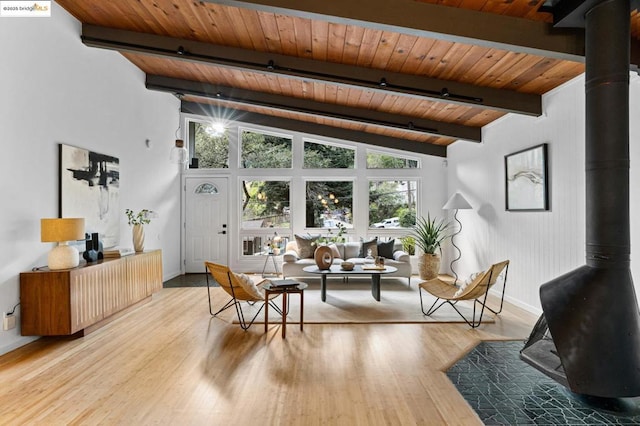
(477, 291)
(227, 280)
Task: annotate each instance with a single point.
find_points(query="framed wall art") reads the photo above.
(90, 188)
(527, 179)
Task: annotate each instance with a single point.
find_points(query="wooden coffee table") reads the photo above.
(357, 270)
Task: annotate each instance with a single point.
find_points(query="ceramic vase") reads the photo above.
(138, 238)
(323, 257)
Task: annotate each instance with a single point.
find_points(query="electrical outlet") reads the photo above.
(9, 321)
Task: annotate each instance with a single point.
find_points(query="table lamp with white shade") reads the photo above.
(456, 202)
(61, 231)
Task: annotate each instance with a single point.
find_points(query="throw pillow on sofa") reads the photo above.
(306, 245)
(334, 251)
(385, 248)
(369, 245)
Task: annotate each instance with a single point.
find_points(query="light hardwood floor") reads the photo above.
(168, 362)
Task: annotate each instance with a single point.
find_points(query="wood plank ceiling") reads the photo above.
(414, 75)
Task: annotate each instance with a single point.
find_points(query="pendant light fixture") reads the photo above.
(179, 153)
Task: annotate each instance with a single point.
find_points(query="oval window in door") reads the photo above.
(206, 188)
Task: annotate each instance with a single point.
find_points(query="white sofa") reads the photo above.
(292, 263)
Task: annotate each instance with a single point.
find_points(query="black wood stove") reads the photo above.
(588, 337)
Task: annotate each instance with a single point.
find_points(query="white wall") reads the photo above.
(540, 245)
(55, 90)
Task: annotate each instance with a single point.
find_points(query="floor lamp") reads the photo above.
(456, 202)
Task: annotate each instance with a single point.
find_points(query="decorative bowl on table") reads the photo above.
(347, 266)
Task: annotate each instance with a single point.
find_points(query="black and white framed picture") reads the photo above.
(90, 188)
(527, 179)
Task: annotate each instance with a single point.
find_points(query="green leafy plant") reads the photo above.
(407, 217)
(408, 244)
(430, 233)
(143, 217)
(330, 237)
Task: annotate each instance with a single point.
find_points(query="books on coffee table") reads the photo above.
(373, 268)
(284, 283)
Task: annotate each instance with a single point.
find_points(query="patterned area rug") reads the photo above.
(504, 390)
(353, 303)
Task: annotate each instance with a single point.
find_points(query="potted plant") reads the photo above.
(409, 244)
(138, 220)
(409, 247)
(429, 235)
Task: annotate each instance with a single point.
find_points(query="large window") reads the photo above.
(263, 151)
(323, 156)
(377, 160)
(283, 183)
(392, 203)
(265, 204)
(329, 204)
(209, 144)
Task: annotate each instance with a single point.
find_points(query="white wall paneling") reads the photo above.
(540, 245)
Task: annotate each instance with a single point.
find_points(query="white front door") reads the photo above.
(206, 229)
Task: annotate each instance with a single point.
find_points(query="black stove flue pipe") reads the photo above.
(592, 312)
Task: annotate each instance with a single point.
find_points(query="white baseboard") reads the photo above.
(170, 275)
(531, 309)
(526, 307)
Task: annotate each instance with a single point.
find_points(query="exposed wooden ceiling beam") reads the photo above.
(314, 71)
(306, 106)
(315, 129)
(440, 22)
(434, 21)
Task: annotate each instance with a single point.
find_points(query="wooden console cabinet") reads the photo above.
(79, 300)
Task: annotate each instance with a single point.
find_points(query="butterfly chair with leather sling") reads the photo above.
(476, 291)
(230, 282)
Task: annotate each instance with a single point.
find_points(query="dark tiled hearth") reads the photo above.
(504, 390)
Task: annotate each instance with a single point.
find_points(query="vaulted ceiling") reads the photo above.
(406, 74)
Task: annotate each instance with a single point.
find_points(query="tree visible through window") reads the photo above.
(265, 204)
(260, 151)
(329, 204)
(392, 204)
(210, 147)
(377, 160)
(323, 156)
